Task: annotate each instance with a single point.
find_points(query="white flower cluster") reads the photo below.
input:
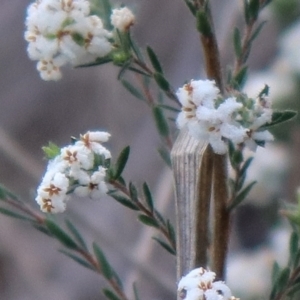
(75, 170)
(122, 18)
(199, 284)
(209, 118)
(63, 31)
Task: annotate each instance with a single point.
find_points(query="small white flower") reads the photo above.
(122, 18)
(199, 285)
(92, 140)
(78, 157)
(92, 186)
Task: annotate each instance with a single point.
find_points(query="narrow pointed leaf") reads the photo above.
(294, 248)
(148, 221)
(132, 90)
(253, 9)
(78, 259)
(170, 108)
(275, 272)
(203, 24)
(148, 196)
(103, 263)
(60, 235)
(165, 245)
(15, 215)
(154, 60)
(5, 193)
(160, 218)
(237, 42)
(165, 155)
(110, 295)
(171, 232)
(239, 80)
(123, 200)
(241, 196)
(280, 117)
(133, 192)
(136, 49)
(76, 234)
(257, 31)
(121, 162)
(42, 229)
(246, 165)
(161, 81)
(135, 292)
(161, 121)
(97, 62)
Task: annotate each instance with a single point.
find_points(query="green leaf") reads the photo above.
(240, 78)
(132, 90)
(60, 235)
(136, 49)
(148, 221)
(161, 121)
(78, 237)
(160, 218)
(123, 69)
(42, 229)
(191, 7)
(110, 295)
(135, 292)
(161, 81)
(246, 165)
(203, 23)
(15, 215)
(280, 117)
(275, 272)
(5, 193)
(257, 31)
(237, 42)
(148, 196)
(51, 151)
(246, 12)
(283, 279)
(78, 259)
(99, 61)
(253, 9)
(165, 245)
(165, 155)
(237, 158)
(241, 196)
(123, 200)
(154, 60)
(121, 162)
(133, 192)
(240, 182)
(105, 267)
(170, 108)
(171, 232)
(294, 248)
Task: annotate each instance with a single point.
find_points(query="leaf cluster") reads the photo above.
(286, 280)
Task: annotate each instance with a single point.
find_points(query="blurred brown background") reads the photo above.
(32, 112)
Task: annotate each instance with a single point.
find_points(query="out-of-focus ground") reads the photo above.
(32, 112)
